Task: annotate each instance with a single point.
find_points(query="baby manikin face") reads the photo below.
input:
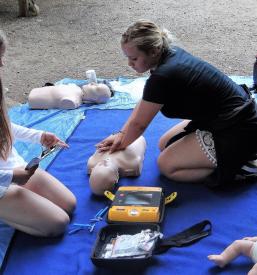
(103, 177)
(95, 92)
(105, 169)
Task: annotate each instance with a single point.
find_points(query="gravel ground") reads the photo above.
(71, 36)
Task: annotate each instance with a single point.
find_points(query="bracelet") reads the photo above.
(119, 132)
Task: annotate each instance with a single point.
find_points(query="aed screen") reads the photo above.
(138, 198)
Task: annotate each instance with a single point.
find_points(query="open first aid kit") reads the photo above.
(133, 233)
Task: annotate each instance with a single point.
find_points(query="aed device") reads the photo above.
(138, 204)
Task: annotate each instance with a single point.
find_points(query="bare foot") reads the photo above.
(217, 259)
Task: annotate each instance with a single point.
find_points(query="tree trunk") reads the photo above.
(28, 8)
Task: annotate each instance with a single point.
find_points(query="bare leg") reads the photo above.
(31, 213)
(237, 248)
(39, 207)
(184, 160)
(47, 186)
(253, 239)
(253, 271)
(171, 133)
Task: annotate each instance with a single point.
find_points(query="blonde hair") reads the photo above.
(146, 36)
(5, 131)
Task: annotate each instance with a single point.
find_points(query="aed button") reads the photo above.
(134, 212)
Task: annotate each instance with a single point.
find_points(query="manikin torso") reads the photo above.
(59, 97)
(96, 93)
(68, 96)
(105, 168)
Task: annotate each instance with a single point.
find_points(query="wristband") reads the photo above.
(119, 132)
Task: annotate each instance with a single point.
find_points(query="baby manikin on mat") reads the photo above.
(105, 169)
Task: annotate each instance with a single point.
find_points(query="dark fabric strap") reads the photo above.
(176, 137)
(186, 237)
(249, 171)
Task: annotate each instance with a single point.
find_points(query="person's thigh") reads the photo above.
(178, 128)
(253, 271)
(27, 210)
(47, 186)
(185, 153)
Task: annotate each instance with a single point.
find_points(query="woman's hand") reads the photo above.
(21, 176)
(112, 143)
(49, 139)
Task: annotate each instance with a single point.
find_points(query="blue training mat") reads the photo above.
(62, 123)
(232, 212)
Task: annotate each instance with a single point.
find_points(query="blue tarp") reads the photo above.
(63, 123)
(232, 212)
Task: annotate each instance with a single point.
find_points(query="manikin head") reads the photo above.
(96, 92)
(103, 177)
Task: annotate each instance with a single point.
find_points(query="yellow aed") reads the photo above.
(137, 204)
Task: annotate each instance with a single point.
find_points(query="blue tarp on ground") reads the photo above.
(63, 124)
(232, 212)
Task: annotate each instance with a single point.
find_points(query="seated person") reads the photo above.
(68, 96)
(105, 168)
(247, 247)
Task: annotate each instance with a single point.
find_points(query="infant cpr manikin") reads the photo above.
(105, 169)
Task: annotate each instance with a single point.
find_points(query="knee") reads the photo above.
(165, 166)
(162, 143)
(70, 204)
(237, 244)
(57, 226)
(17, 193)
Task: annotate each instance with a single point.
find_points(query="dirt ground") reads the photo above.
(71, 36)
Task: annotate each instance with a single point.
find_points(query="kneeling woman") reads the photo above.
(219, 133)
